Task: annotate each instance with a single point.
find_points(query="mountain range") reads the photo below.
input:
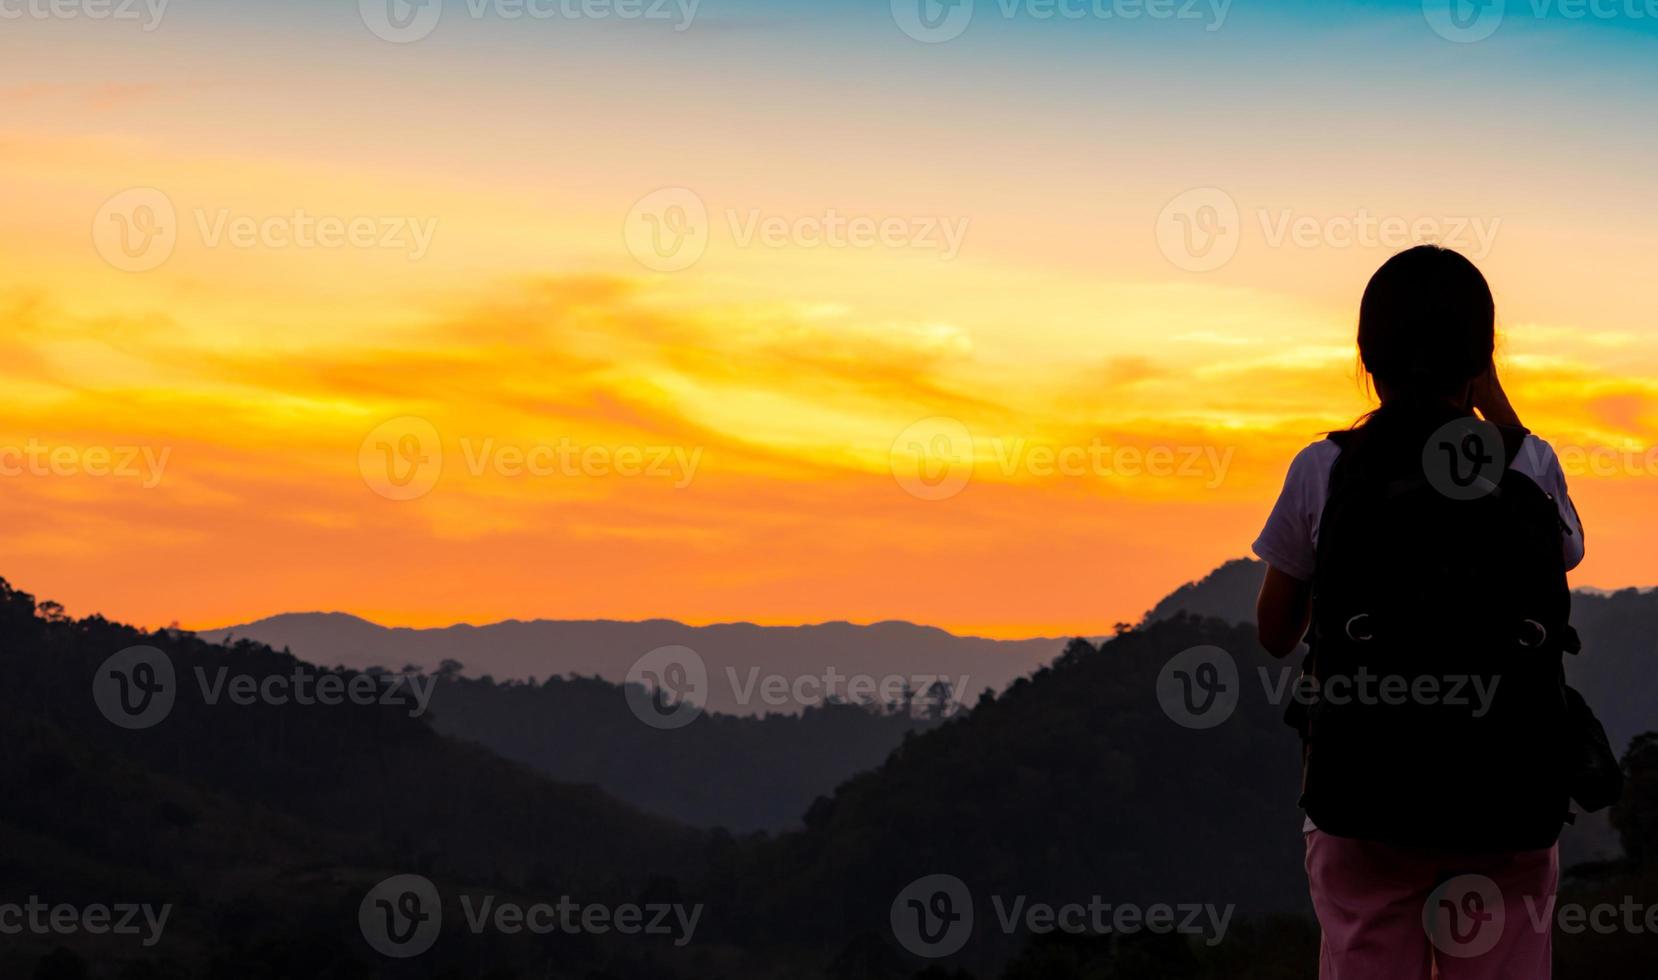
(264, 826)
(773, 767)
(737, 655)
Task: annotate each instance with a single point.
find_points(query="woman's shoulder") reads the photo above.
(1537, 458)
(1317, 457)
(1309, 474)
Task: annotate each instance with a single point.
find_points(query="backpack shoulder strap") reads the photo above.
(1514, 440)
(1346, 440)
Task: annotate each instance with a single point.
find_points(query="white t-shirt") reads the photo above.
(1289, 542)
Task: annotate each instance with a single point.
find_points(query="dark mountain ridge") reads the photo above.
(264, 826)
(732, 652)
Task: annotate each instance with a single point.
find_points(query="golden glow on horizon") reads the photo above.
(774, 381)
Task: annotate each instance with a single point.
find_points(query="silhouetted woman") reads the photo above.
(1422, 554)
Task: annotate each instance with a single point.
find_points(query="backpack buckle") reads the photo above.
(1537, 630)
(1359, 630)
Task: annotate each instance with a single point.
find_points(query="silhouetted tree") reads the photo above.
(1636, 814)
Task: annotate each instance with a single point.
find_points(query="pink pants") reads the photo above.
(1394, 914)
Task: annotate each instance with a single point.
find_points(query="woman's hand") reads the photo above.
(1492, 401)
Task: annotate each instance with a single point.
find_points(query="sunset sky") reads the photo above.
(700, 272)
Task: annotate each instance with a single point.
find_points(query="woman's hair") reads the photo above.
(1427, 327)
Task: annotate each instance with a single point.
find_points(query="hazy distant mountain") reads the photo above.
(735, 653)
(771, 771)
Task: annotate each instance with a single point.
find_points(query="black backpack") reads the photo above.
(1440, 717)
